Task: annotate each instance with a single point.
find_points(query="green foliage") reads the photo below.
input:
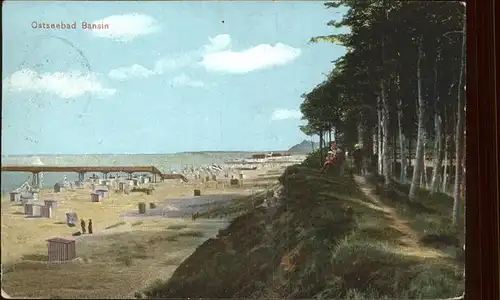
(381, 48)
(236, 207)
(126, 255)
(313, 160)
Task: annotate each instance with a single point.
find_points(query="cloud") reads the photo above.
(285, 114)
(124, 28)
(161, 66)
(173, 63)
(130, 72)
(218, 58)
(184, 80)
(214, 56)
(218, 43)
(63, 84)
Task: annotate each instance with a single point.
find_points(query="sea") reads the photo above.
(164, 162)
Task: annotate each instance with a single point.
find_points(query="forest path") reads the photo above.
(409, 240)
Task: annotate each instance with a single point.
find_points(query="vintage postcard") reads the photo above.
(226, 149)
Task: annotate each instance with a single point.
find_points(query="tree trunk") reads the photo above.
(385, 108)
(444, 184)
(321, 146)
(368, 142)
(424, 159)
(374, 153)
(451, 158)
(394, 154)
(438, 159)
(380, 166)
(403, 175)
(330, 134)
(410, 153)
(360, 131)
(417, 169)
(438, 141)
(360, 139)
(459, 139)
(386, 159)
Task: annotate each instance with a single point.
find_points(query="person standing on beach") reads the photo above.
(90, 226)
(82, 224)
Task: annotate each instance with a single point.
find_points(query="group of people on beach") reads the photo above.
(82, 224)
(212, 173)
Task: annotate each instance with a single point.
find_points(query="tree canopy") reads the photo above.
(401, 81)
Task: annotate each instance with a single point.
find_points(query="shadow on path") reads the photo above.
(409, 238)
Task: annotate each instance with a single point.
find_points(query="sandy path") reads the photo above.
(409, 241)
(183, 207)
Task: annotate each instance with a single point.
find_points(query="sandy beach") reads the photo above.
(127, 250)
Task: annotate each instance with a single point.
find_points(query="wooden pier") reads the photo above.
(81, 170)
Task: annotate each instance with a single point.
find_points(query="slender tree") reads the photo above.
(460, 129)
(419, 159)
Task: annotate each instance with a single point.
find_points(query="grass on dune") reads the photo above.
(327, 241)
(430, 217)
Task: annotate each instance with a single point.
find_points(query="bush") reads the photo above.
(313, 159)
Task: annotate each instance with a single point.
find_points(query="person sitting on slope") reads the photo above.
(330, 162)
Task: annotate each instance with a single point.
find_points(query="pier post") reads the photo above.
(36, 180)
(81, 176)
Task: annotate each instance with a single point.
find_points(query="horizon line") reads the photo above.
(181, 152)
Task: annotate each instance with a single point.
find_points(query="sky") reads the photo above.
(164, 77)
